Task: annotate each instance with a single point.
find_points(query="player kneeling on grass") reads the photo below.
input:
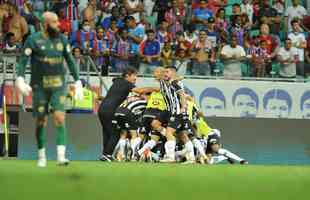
(218, 154)
(126, 120)
(47, 51)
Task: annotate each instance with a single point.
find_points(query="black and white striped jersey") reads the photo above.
(136, 105)
(171, 92)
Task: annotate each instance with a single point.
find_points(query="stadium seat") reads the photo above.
(245, 69)
(228, 10)
(275, 69)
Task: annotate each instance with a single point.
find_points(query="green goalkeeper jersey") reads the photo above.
(47, 56)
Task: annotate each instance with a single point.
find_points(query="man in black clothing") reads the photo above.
(117, 93)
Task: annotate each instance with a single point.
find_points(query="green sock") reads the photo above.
(41, 136)
(61, 135)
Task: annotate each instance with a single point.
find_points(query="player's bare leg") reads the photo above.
(144, 152)
(61, 134)
(41, 124)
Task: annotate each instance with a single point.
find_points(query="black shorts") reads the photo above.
(179, 124)
(150, 114)
(124, 119)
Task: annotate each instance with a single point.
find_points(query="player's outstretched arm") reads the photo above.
(145, 90)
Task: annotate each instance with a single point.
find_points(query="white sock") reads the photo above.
(122, 145)
(61, 151)
(230, 155)
(217, 159)
(41, 153)
(199, 147)
(170, 149)
(190, 150)
(135, 143)
(149, 145)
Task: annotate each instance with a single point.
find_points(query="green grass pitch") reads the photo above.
(22, 180)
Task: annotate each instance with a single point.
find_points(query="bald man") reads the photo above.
(47, 51)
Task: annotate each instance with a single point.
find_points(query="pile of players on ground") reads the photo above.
(142, 121)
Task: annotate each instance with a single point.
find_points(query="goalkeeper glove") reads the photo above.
(22, 86)
(78, 87)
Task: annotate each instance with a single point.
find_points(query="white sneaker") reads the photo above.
(167, 159)
(63, 162)
(188, 162)
(42, 162)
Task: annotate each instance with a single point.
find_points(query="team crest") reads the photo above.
(28, 51)
(41, 109)
(59, 46)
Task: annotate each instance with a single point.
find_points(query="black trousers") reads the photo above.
(109, 136)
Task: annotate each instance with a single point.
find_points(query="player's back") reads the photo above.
(134, 104)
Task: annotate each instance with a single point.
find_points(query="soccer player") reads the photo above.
(194, 115)
(175, 99)
(154, 117)
(218, 154)
(127, 122)
(47, 51)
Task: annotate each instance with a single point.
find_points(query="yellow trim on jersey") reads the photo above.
(203, 129)
(156, 101)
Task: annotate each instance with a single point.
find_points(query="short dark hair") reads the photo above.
(236, 5)
(171, 67)
(179, 33)
(73, 50)
(9, 35)
(129, 71)
(287, 39)
(129, 17)
(294, 20)
(149, 31)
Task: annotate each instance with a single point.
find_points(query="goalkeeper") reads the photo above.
(47, 51)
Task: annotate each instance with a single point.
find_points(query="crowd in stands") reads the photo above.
(234, 38)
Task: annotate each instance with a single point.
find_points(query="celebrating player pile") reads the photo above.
(47, 51)
(168, 117)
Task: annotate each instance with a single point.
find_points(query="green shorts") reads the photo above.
(48, 100)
